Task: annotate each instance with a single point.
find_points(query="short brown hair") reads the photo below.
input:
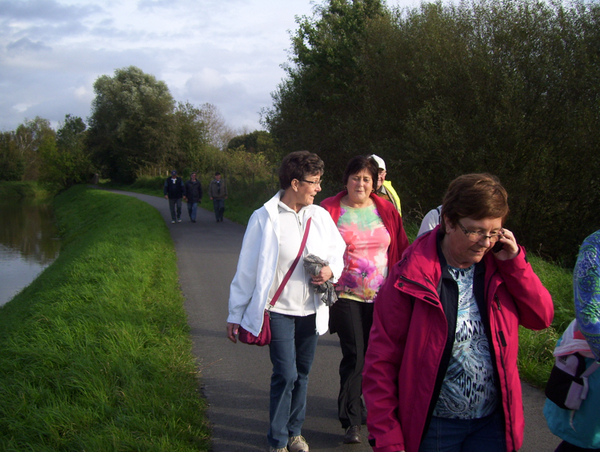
(298, 165)
(359, 163)
(476, 196)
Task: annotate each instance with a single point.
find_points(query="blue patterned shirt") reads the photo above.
(468, 390)
(586, 290)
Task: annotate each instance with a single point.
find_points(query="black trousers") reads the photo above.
(352, 321)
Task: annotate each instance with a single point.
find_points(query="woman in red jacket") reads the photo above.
(375, 240)
(441, 367)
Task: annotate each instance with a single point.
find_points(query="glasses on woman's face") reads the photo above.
(312, 182)
(476, 236)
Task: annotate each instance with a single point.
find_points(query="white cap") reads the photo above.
(379, 161)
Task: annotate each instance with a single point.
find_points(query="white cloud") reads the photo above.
(21, 107)
(83, 93)
(224, 52)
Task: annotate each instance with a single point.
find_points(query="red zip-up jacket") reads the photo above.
(409, 334)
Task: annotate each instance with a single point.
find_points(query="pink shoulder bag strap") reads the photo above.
(291, 270)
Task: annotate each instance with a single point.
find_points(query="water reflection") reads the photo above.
(28, 244)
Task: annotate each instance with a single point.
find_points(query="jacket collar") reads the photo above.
(272, 207)
(420, 269)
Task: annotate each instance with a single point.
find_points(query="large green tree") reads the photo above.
(509, 87)
(131, 125)
(66, 161)
(257, 142)
(218, 132)
(29, 137)
(192, 139)
(12, 162)
(319, 106)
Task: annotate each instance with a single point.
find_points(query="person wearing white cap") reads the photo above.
(384, 187)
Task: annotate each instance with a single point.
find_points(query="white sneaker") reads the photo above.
(173, 221)
(297, 444)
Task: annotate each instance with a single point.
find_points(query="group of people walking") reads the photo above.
(176, 191)
(428, 331)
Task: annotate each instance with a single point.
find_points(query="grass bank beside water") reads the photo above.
(95, 354)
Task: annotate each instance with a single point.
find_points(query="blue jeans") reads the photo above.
(172, 204)
(466, 435)
(292, 350)
(192, 210)
(219, 206)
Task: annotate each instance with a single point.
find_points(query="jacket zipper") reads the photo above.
(427, 289)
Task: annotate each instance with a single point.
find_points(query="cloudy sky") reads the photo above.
(224, 52)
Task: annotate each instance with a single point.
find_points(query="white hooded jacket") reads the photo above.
(249, 290)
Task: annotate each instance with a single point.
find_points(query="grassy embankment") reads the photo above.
(95, 354)
(535, 354)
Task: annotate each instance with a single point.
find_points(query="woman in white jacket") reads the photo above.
(270, 245)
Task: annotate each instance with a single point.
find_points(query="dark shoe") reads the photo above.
(193, 221)
(352, 435)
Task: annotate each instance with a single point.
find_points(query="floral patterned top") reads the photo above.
(586, 288)
(365, 259)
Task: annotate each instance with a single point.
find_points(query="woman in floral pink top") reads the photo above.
(375, 241)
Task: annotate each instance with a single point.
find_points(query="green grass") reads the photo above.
(536, 347)
(96, 353)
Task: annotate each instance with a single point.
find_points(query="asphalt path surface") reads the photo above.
(235, 377)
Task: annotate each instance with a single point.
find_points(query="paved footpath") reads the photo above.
(235, 377)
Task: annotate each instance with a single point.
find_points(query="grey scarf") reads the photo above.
(313, 265)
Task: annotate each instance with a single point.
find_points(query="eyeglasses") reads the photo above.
(476, 236)
(312, 182)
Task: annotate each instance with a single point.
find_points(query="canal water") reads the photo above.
(28, 244)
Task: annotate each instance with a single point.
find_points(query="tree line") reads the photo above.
(135, 129)
(510, 87)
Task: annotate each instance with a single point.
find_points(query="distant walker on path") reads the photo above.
(174, 191)
(217, 190)
(193, 195)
